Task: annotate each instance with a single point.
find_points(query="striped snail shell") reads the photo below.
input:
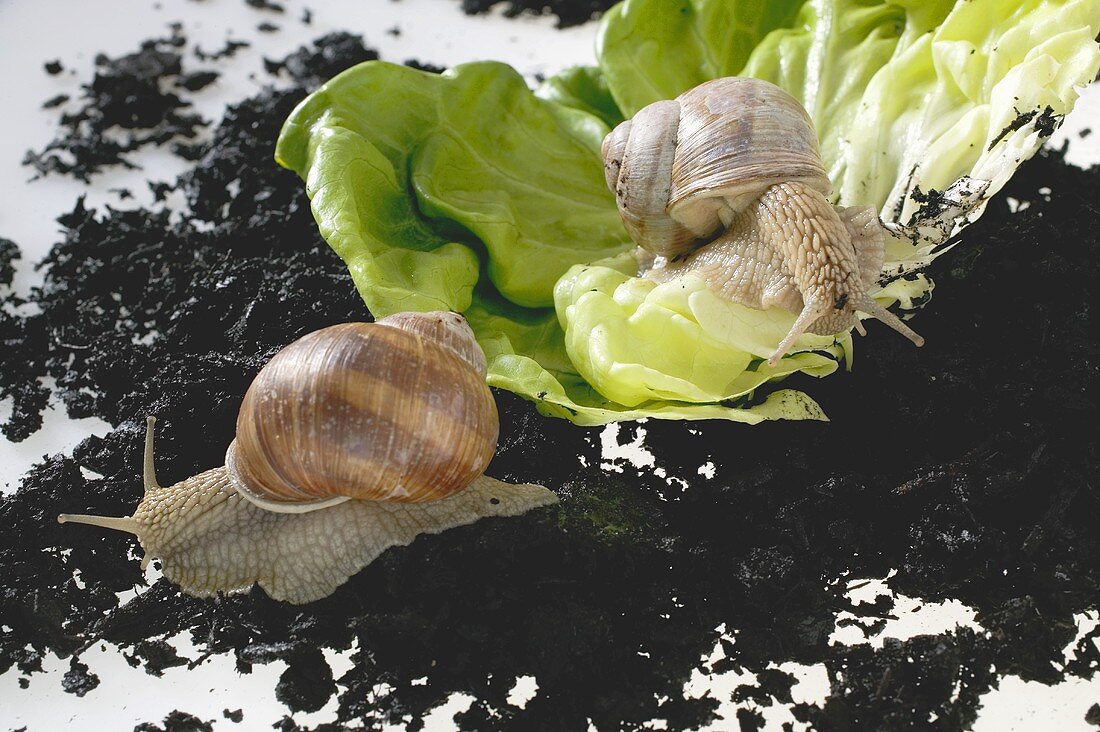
(396, 410)
(682, 168)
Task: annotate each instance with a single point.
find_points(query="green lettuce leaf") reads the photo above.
(638, 341)
(411, 175)
(468, 192)
(583, 88)
(657, 49)
(527, 354)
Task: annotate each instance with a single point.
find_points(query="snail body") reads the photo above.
(726, 182)
(352, 439)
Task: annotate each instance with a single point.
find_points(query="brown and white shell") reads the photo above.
(681, 169)
(396, 410)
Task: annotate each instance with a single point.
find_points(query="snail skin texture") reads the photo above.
(725, 182)
(351, 440)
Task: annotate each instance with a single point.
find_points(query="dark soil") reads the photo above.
(265, 5)
(969, 466)
(129, 104)
(9, 252)
(568, 12)
(177, 722)
(229, 50)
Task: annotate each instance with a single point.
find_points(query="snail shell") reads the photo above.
(681, 169)
(393, 410)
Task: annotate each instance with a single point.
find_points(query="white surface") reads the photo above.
(432, 31)
(910, 617)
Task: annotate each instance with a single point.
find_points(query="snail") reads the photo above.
(726, 182)
(352, 439)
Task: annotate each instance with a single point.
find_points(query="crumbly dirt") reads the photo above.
(568, 12)
(968, 466)
(132, 102)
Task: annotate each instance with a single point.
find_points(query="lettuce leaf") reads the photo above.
(411, 175)
(657, 49)
(466, 191)
(583, 88)
(638, 341)
(529, 356)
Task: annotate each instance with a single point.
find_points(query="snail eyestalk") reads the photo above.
(868, 305)
(123, 523)
(149, 475)
(811, 312)
(117, 523)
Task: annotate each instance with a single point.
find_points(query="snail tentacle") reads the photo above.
(869, 305)
(124, 523)
(811, 311)
(115, 523)
(149, 474)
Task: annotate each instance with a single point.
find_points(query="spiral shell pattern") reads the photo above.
(364, 411)
(682, 169)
